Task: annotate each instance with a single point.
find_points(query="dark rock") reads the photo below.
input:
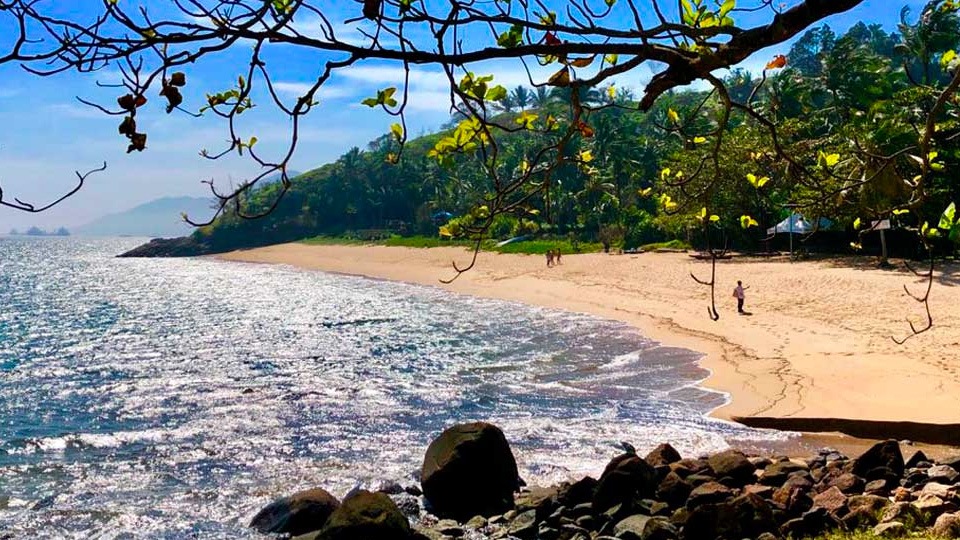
(663, 455)
(449, 527)
(674, 490)
(390, 488)
(848, 483)
(732, 464)
(709, 493)
(947, 526)
(812, 523)
(777, 473)
(795, 500)
(944, 474)
(579, 492)
(372, 516)
(870, 502)
(626, 477)
(860, 518)
(877, 487)
(883, 454)
(408, 504)
(297, 514)
(746, 516)
(953, 461)
(413, 490)
(543, 500)
(469, 470)
(832, 500)
(765, 492)
(699, 479)
(917, 458)
(185, 246)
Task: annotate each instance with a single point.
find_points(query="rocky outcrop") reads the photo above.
(297, 514)
(371, 516)
(469, 470)
(185, 246)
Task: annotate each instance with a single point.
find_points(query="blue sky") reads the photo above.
(46, 134)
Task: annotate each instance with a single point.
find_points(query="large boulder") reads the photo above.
(469, 470)
(297, 514)
(663, 455)
(732, 465)
(626, 478)
(947, 526)
(371, 516)
(884, 454)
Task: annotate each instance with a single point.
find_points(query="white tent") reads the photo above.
(797, 224)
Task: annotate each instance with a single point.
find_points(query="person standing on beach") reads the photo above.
(556, 256)
(549, 257)
(739, 295)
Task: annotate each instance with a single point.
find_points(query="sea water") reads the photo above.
(173, 398)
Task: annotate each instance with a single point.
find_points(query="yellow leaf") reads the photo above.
(699, 140)
(397, 131)
(586, 156)
(612, 91)
(714, 218)
(747, 221)
(673, 116)
(856, 224)
(645, 192)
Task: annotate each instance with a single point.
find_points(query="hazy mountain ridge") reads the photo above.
(160, 217)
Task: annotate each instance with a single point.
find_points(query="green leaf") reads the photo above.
(948, 218)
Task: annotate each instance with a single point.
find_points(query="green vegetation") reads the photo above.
(671, 177)
(530, 247)
(868, 535)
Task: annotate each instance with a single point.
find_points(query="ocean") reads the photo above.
(173, 398)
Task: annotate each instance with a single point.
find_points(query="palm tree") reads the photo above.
(541, 98)
(521, 97)
(507, 104)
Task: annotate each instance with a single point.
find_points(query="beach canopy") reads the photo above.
(797, 224)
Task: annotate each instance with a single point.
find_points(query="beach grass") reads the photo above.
(868, 535)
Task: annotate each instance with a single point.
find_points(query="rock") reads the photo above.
(905, 513)
(871, 503)
(408, 504)
(631, 528)
(186, 246)
(777, 473)
(883, 454)
(947, 526)
(674, 490)
(543, 500)
(476, 522)
(579, 492)
(795, 499)
(917, 458)
(848, 483)
(732, 464)
(660, 528)
(938, 489)
(297, 514)
(765, 492)
(953, 461)
(524, 525)
(372, 516)
(449, 527)
(943, 473)
(832, 500)
(931, 507)
(469, 470)
(877, 487)
(390, 488)
(860, 518)
(699, 479)
(812, 523)
(709, 493)
(625, 478)
(663, 455)
(902, 494)
(891, 529)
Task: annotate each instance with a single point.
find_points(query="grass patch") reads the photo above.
(868, 535)
(673, 244)
(422, 242)
(541, 247)
(528, 247)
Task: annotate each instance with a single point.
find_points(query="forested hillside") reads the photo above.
(837, 101)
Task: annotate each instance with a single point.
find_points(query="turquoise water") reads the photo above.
(172, 398)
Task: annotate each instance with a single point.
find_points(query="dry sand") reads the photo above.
(817, 345)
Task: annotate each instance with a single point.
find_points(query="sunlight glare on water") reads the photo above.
(173, 398)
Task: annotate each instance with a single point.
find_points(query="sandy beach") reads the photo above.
(816, 346)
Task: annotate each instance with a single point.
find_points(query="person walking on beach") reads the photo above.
(549, 257)
(556, 256)
(739, 295)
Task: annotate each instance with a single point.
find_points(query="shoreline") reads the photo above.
(814, 368)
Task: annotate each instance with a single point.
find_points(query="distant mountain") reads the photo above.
(158, 218)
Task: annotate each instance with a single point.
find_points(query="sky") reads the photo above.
(46, 134)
